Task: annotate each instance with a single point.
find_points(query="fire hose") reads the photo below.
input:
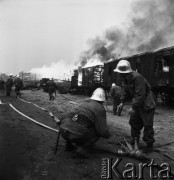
(106, 107)
(38, 123)
(75, 102)
(67, 98)
(31, 119)
(58, 121)
(50, 113)
(126, 150)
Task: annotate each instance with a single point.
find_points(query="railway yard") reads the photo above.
(27, 149)
(87, 90)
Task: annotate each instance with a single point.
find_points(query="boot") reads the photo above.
(133, 139)
(148, 148)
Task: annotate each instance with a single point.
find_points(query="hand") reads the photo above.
(131, 111)
(120, 106)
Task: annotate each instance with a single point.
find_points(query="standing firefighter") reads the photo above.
(18, 85)
(115, 92)
(143, 105)
(9, 84)
(51, 87)
(86, 124)
(2, 85)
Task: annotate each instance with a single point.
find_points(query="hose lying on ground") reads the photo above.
(67, 98)
(50, 113)
(31, 119)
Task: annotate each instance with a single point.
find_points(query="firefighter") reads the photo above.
(143, 104)
(84, 125)
(2, 85)
(51, 87)
(18, 83)
(115, 93)
(9, 84)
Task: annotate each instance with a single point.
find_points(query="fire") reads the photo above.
(80, 79)
(94, 61)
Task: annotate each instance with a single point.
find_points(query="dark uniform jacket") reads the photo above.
(2, 84)
(51, 84)
(89, 114)
(115, 92)
(18, 82)
(9, 82)
(140, 90)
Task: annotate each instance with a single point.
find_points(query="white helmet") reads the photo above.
(11, 75)
(113, 84)
(123, 66)
(99, 95)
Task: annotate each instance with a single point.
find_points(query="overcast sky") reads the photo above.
(44, 34)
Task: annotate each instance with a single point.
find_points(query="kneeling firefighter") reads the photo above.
(86, 124)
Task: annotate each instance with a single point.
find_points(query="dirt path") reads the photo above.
(27, 150)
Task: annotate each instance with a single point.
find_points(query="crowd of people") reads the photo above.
(6, 86)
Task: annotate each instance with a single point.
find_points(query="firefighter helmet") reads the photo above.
(113, 84)
(123, 66)
(99, 95)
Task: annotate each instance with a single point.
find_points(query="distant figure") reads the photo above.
(115, 92)
(2, 85)
(84, 125)
(51, 86)
(9, 84)
(18, 85)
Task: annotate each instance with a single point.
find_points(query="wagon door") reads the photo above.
(171, 69)
(162, 62)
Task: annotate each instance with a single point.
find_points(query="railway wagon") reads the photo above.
(92, 78)
(157, 67)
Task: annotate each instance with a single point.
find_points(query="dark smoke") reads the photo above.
(97, 46)
(150, 26)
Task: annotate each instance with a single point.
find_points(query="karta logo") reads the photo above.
(119, 169)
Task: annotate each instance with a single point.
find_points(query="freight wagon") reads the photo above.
(92, 78)
(156, 66)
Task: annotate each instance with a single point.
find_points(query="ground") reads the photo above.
(27, 150)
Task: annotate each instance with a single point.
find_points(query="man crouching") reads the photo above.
(86, 124)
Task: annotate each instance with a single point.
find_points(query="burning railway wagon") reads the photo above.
(157, 67)
(92, 78)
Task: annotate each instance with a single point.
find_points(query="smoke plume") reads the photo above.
(56, 70)
(150, 26)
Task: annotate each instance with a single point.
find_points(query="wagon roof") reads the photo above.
(99, 65)
(163, 49)
(140, 54)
